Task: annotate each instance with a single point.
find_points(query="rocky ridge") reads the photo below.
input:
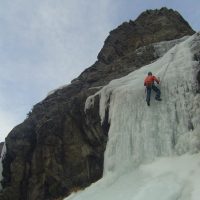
(59, 148)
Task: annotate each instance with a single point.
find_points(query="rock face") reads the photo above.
(151, 26)
(59, 148)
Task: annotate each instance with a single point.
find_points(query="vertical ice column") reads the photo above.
(3, 152)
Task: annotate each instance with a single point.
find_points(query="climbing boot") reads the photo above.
(158, 99)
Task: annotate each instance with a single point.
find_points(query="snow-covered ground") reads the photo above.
(167, 178)
(152, 152)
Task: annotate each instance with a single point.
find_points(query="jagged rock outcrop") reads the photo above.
(59, 148)
(151, 26)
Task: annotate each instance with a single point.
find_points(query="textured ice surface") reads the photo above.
(167, 178)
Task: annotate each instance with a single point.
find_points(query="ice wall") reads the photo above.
(138, 133)
(152, 152)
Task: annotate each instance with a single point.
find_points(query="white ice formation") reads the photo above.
(3, 152)
(153, 153)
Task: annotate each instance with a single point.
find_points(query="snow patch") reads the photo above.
(162, 47)
(59, 88)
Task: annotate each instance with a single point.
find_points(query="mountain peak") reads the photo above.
(163, 11)
(164, 17)
(151, 26)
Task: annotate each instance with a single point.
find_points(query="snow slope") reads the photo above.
(152, 152)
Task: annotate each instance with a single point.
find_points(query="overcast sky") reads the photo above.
(45, 44)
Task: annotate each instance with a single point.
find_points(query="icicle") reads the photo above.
(3, 152)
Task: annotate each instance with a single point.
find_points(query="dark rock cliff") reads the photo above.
(59, 148)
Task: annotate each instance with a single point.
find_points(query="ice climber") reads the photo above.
(149, 83)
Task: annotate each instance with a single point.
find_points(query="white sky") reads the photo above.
(45, 44)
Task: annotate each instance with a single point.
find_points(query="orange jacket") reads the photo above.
(149, 80)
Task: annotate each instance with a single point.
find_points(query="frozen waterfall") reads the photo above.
(152, 152)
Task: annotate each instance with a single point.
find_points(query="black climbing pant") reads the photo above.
(148, 91)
